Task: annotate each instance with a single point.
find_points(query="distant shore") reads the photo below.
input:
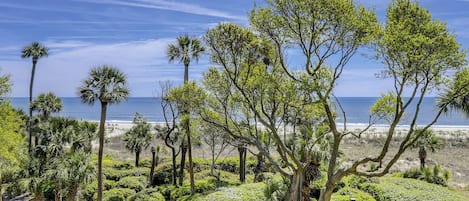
(116, 128)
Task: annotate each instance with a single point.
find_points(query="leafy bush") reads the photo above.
(400, 189)
(116, 175)
(123, 166)
(245, 192)
(344, 194)
(147, 195)
(132, 182)
(163, 174)
(201, 186)
(89, 190)
(117, 194)
(429, 174)
(373, 189)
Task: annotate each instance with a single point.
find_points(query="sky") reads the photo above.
(132, 35)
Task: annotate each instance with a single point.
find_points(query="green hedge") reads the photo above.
(133, 182)
(246, 192)
(117, 194)
(344, 194)
(402, 189)
(116, 175)
(151, 194)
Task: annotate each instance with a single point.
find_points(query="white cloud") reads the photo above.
(144, 62)
(172, 6)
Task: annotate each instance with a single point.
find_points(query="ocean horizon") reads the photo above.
(356, 108)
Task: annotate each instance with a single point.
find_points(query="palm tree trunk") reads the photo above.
(100, 150)
(183, 162)
(186, 72)
(242, 163)
(191, 168)
(422, 157)
(173, 156)
(30, 101)
(72, 192)
(152, 170)
(137, 157)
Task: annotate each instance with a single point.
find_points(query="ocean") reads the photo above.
(356, 108)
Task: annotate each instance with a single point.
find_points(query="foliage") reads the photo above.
(399, 189)
(136, 183)
(345, 194)
(139, 137)
(245, 192)
(10, 136)
(47, 103)
(116, 175)
(187, 48)
(117, 194)
(429, 174)
(106, 84)
(150, 194)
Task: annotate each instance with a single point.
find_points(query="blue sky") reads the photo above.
(133, 34)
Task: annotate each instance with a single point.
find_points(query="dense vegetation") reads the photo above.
(255, 101)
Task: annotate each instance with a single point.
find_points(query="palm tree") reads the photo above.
(427, 142)
(108, 85)
(35, 51)
(138, 137)
(187, 48)
(47, 103)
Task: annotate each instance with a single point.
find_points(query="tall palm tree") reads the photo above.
(108, 85)
(35, 50)
(184, 50)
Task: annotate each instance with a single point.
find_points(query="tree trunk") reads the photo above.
(137, 157)
(242, 163)
(191, 168)
(422, 156)
(33, 70)
(58, 195)
(72, 192)
(152, 170)
(259, 166)
(100, 150)
(173, 156)
(186, 72)
(326, 194)
(295, 192)
(212, 149)
(183, 162)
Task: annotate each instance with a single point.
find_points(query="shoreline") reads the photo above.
(118, 127)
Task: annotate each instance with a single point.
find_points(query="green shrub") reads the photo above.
(429, 174)
(344, 194)
(402, 189)
(123, 166)
(245, 192)
(165, 190)
(108, 184)
(136, 183)
(201, 186)
(151, 194)
(116, 175)
(163, 174)
(117, 194)
(89, 190)
(373, 189)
